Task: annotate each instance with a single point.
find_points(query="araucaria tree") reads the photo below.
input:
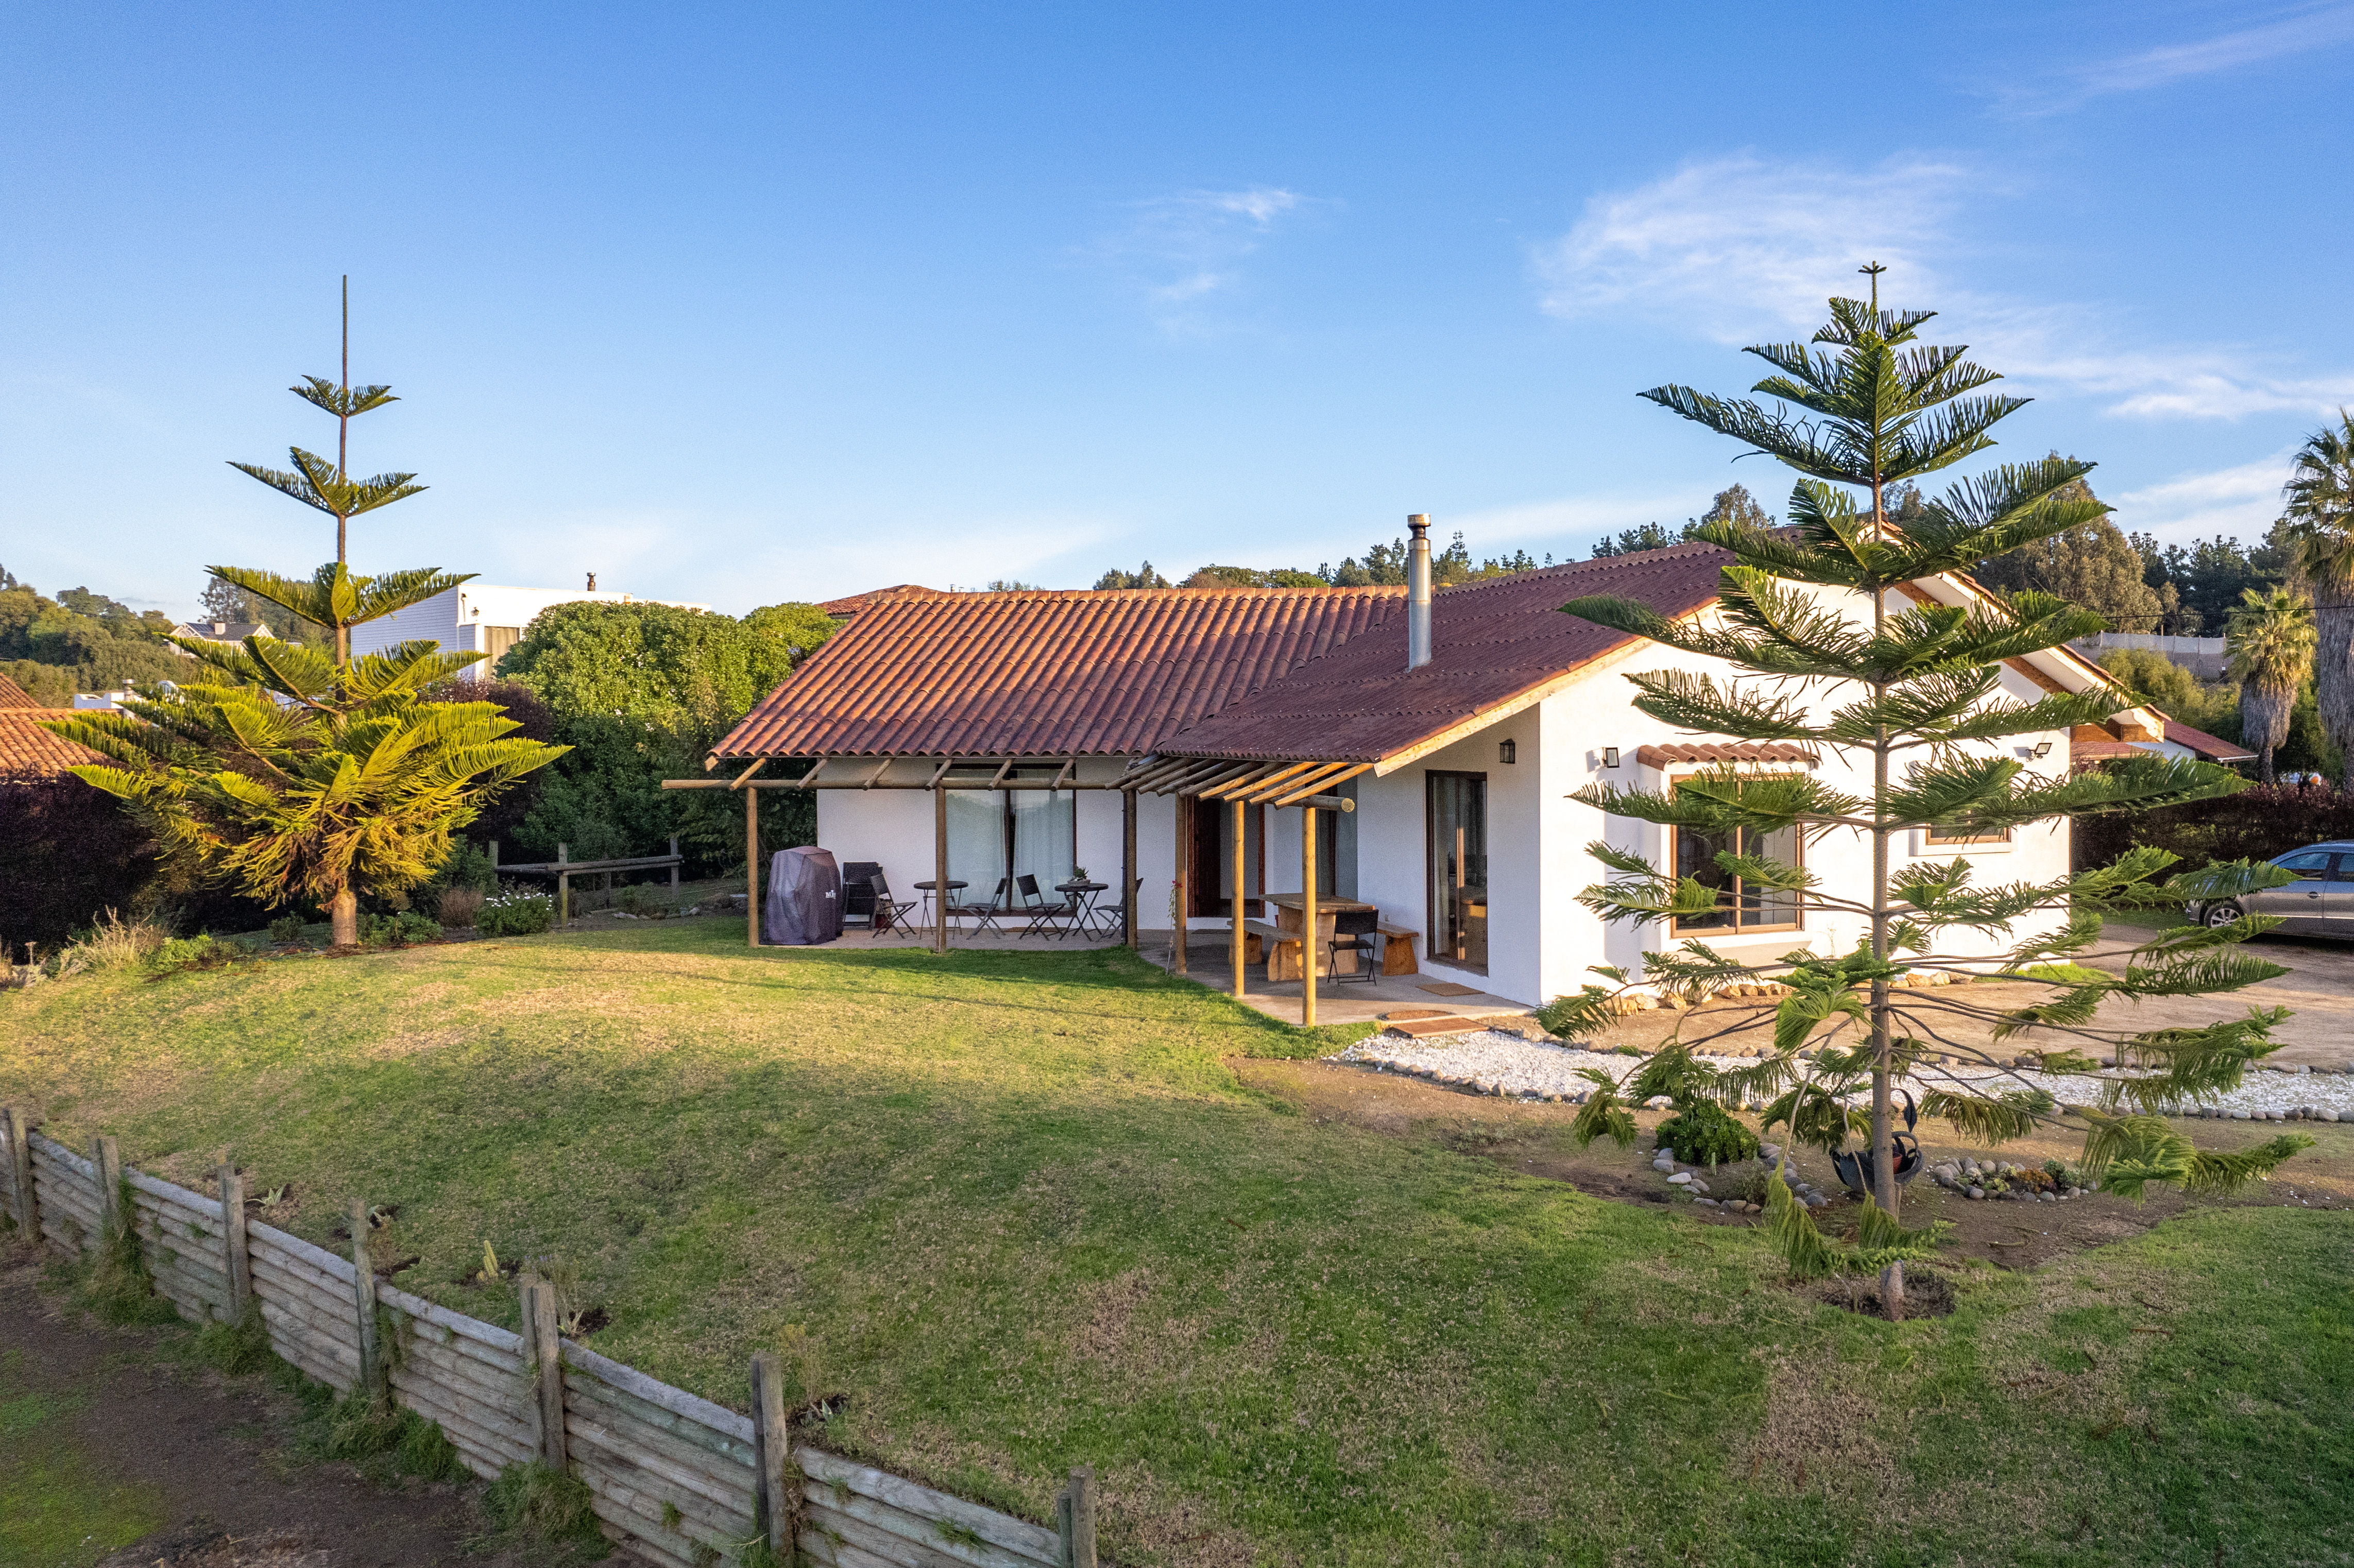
(1829, 649)
(292, 776)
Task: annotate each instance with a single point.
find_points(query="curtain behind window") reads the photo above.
(1046, 843)
(977, 842)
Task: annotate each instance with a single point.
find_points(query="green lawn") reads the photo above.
(1029, 1218)
(59, 1508)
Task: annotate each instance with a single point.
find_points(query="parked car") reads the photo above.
(2319, 903)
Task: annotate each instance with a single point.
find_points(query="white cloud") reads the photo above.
(1741, 247)
(1183, 252)
(2241, 501)
(2317, 29)
(1732, 245)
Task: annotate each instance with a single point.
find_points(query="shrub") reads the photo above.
(646, 901)
(515, 915)
(113, 943)
(286, 930)
(201, 952)
(396, 930)
(1703, 1134)
(460, 906)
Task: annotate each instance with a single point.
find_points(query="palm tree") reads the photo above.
(2271, 638)
(2320, 517)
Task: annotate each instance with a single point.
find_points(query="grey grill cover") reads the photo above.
(804, 903)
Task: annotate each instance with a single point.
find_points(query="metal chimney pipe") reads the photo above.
(1418, 591)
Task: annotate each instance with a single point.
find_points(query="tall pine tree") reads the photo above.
(1915, 688)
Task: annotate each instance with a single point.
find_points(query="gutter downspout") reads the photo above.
(1418, 591)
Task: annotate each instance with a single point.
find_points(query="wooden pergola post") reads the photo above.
(1127, 866)
(1239, 940)
(941, 863)
(1308, 918)
(751, 868)
(1182, 908)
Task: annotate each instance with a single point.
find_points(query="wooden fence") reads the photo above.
(673, 1477)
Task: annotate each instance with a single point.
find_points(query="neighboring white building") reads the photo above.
(480, 616)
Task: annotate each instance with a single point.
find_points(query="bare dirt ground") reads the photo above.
(1534, 1138)
(133, 1418)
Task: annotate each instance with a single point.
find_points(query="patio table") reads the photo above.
(1082, 894)
(928, 889)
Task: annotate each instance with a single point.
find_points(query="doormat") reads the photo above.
(1397, 1013)
(1420, 1028)
(1448, 988)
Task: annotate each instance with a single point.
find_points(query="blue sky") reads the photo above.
(743, 305)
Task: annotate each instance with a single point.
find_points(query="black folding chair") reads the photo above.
(1357, 931)
(888, 912)
(984, 915)
(1042, 914)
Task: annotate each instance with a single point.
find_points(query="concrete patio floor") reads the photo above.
(1345, 1000)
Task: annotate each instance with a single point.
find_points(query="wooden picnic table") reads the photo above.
(1290, 912)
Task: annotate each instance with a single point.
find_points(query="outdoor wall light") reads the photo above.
(1508, 751)
(1609, 756)
(2042, 748)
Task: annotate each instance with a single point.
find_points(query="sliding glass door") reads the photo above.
(998, 834)
(1458, 870)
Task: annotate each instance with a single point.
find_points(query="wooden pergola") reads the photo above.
(1242, 784)
(1239, 783)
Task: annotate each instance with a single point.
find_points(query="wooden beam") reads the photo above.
(809, 779)
(1338, 775)
(940, 773)
(870, 780)
(1070, 766)
(1308, 942)
(941, 866)
(752, 868)
(1128, 868)
(1003, 769)
(1182, 814)
(1240, 832)
(745, 776)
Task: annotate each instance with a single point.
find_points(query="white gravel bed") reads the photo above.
(1496, 1062)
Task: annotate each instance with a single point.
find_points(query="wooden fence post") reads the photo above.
(674, 869)
(21, 1162)
(1075, 1519)
(772, 1455)
(563, 888)
(371, 1382)
(240, 1265)
(106, 1169)
(543, 1357)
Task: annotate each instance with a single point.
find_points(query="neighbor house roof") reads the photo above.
(28, 751)
(842, 609)
(1117, 673)
(1497, 646)
(13, 695)
(2205, 746)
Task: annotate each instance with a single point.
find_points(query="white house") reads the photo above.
(1163, 707)
(481, 617)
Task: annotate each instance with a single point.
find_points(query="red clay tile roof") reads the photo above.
(1739, 751)
(13, 695)
(1116, 673)
(28, 751)
(2205, 745)
(1493, 644)
(842, 609)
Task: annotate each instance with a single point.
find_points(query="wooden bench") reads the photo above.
(1397, 951)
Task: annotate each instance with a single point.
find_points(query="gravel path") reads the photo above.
(1499, 1063)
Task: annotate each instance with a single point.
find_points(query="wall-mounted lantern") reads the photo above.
(1609, 756)
(1508, 751)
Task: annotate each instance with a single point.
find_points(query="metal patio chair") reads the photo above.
(1042, 911)
(857, 898)
(888, 913)
(1357, 931)
(983, 913)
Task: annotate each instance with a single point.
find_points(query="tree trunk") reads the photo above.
(344, 913)
(2264, 766)
(2333, 674)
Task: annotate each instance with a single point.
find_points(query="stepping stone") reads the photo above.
(1448, 988)
(1398, 1012)
(1422, 1028)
